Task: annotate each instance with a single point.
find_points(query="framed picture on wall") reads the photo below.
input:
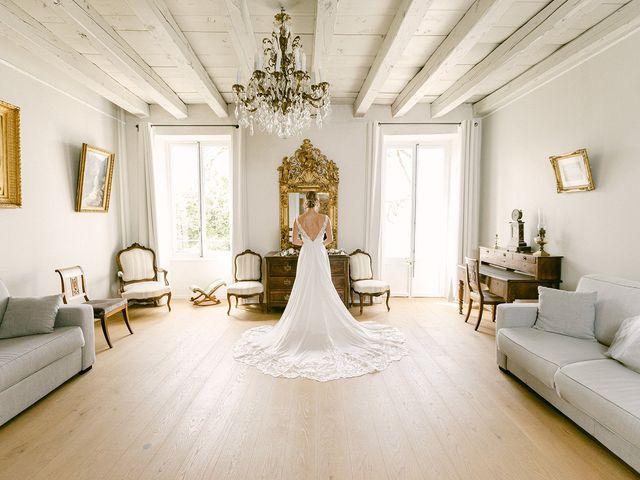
(573, 172)
(94, 179)
(10, 187)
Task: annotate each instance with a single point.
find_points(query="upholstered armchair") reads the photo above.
(138, 275)
(362, 281)
(247, 278)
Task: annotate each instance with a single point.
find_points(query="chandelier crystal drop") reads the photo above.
(280, 96)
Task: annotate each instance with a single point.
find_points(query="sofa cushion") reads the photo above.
(23, 356)
(568, 313)
(607, 391)
(625, 347)
(543, 353)
(30, 316)
(618, 299)
(4, 299)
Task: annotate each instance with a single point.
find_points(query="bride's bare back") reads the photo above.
(312, 223)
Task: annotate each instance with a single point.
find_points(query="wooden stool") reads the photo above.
(206, 296)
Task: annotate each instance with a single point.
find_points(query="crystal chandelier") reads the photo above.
(280, 96)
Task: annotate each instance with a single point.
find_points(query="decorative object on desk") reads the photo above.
(573, 172)
(307, 170)
(541, 242)
(336, 251)
(289, 252)
(280, 95)
(94, 179)
(10, 185)
(517, 243)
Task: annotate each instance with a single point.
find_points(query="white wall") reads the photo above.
(46, 233)
(343, 139)
(595, 106)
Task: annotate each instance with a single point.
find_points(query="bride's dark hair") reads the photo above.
(311, 199)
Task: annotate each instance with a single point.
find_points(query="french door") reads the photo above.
(415, 217)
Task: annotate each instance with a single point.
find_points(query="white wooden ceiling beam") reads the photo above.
(120, 53)
(528, 38)
(480, 17)
(242, 36)
(405, 23)
(41, 42)
(598, 38)
(326, 13)
(158, 19)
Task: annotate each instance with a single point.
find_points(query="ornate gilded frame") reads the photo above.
(10, 182)
(588, 179)
(308, 170)
(108, 176)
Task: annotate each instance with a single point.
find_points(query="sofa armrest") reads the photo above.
(80, 316)
(516, 315)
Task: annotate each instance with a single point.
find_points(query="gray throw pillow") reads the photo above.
(625, 347)
(567, 313)
(29, 316)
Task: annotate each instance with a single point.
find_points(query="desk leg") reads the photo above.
(460, 296)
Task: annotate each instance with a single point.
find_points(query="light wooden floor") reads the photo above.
(170, 402)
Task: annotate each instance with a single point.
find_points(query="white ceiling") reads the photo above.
(358, 36)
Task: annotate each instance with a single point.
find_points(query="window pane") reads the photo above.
(215, 167)
(185, 196)
(397, 202)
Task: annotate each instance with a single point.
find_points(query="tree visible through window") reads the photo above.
(200, 197)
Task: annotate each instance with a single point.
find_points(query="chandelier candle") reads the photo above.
(280, 96)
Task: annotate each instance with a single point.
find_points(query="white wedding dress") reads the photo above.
(317, 337)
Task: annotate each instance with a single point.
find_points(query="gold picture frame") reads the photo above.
(94, 179)
(572, 171)
(10, 181)
(307, 170)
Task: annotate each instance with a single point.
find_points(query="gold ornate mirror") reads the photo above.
(307, 170)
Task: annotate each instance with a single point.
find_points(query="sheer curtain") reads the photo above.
(468, 204)
(238, 203)
(373, 202)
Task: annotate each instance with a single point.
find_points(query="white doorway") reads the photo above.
(416, 214)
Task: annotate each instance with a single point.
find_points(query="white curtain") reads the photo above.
(239, 200)
(373, 202)
(148, 221)
(470, 134)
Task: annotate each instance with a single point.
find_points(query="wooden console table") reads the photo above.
(513, 275)
(280, 273)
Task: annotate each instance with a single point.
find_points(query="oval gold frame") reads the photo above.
(308, 170)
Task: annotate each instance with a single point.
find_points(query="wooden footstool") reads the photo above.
(205, 296)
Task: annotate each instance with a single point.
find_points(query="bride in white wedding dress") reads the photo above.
(316, 336)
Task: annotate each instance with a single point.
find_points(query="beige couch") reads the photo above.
(34, 365)
(600, 394)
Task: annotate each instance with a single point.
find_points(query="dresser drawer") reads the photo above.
(338, 266)
(285, 268)
(281, 283)
(279, 296)
(523, 263)
(339, 282)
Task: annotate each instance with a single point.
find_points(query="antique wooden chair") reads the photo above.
(247, 278)
(476, 291)
(74, 291)
(206, 296)
(138, 275)
(362, 281)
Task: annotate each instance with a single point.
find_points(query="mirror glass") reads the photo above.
(296, 207)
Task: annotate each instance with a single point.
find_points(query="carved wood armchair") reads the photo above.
(138, 276)
(362, 281)
(247, 278)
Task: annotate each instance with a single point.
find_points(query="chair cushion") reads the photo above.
(212, 287)
(488, 297)
(245, 288)
(370, 286)
(142, 290)
(30, 316)
(543, 353)
(607, 391)
(23, 356)
(248, 267)
(106, 306)
(360, 266)
(137, 264)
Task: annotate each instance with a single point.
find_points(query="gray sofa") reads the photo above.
(601, 395)
(34, 365)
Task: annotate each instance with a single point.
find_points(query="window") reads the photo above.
(199, 180)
